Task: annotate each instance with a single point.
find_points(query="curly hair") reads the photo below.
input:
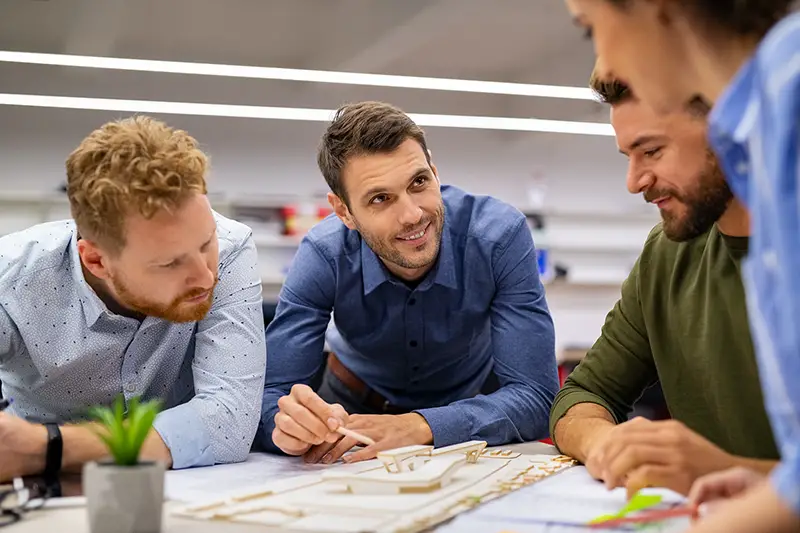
(137, 165)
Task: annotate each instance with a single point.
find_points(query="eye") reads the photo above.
(378, 199)
(652, 153)
(171, 264)
(588, 33)
(420, 181)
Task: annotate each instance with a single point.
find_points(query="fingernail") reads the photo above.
(327, 458)
(333, 423)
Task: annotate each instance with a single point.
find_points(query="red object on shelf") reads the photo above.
(297, 220)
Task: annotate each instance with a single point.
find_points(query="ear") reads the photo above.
(93, 258)
(341, 210)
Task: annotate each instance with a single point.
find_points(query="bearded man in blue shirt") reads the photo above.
(431, 290)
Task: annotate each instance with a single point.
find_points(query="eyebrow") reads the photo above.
(644, 139)
(421, 171)
(171, 259)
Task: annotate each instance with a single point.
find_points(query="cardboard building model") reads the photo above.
(406, 490)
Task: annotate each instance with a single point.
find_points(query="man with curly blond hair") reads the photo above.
(147, 293)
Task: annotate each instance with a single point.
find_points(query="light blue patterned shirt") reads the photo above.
(755, 129)
(62, 350)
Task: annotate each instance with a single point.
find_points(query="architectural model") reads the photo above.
(406, 490)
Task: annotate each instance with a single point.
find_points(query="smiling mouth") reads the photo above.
(414, 236)
(658, 202)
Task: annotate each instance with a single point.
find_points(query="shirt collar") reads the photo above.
(93, 307)
(732, 116)
(730, 124)
(374, 272)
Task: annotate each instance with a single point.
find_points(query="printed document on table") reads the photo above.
(198, 484)
(561, 504)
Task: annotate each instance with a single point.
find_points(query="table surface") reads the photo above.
(75, 519)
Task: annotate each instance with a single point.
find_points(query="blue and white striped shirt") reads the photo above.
(755, 130)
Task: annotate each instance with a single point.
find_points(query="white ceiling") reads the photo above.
(502, 40)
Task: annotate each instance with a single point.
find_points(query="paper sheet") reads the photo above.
(562, 504)
(198, 484)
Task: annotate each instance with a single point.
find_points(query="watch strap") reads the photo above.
(55, 450)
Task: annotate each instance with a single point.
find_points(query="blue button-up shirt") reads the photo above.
(755, 129)
(62, 350)
(430, 348)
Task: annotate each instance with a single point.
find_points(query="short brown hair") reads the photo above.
(609, 90)
(739, 17)
(138, 165)
(363, 128)
(612, 91)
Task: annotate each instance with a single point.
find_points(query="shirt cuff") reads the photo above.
(448, 424)
(184, 433)
(786, 479)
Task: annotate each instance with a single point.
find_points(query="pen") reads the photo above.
(363, 439)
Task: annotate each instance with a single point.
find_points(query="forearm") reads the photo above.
(762, 466)
(760, 510)
(269, 408)
(581, 428)
(514, 413)
(82, 445)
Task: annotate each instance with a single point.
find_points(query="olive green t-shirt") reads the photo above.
(681, 319)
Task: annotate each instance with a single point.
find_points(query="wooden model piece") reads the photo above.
(397, 460)
(436, 474)
(473, 449)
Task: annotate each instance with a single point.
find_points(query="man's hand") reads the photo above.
(304, 420)
(724, 485)
(641, 453)
(23, 447)
(388, 432)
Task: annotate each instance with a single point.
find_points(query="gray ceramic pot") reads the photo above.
(124, 499)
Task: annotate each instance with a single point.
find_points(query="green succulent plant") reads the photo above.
(124, 432)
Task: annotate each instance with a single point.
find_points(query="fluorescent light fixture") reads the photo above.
(290, 74)
(294, 113)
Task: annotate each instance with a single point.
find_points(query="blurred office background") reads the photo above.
(572, 185)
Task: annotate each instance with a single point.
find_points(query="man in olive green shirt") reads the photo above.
(681, 320)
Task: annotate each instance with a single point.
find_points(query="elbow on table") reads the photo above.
(233, 452)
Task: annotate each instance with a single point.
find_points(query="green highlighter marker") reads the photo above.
(639, 502)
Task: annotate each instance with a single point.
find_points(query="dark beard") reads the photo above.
(704, 205)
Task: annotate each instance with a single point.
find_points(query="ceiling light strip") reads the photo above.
(288, 74)
(293, 113)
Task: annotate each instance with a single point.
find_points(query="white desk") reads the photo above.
(552, 500)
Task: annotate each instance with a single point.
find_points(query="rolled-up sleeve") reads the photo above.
(219, 423)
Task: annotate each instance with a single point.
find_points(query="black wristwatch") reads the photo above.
(52, 468)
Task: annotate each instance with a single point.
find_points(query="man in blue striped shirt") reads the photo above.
(744, 57)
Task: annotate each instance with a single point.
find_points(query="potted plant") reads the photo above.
(124, 495)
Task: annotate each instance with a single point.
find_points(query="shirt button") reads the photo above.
(412, 301)
(130, 387)
(413, 344)
(415, 368)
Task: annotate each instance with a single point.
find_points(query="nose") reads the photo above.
(638, 179)
(203, 273)
(410, 212)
